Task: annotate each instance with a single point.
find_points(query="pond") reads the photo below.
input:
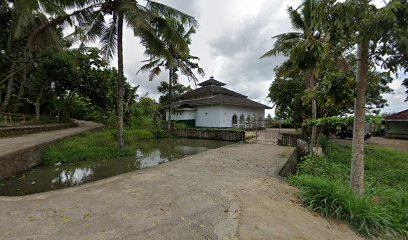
(149, 153)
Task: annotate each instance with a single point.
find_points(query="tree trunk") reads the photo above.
(9, 89)
(170, 82)
(314, 111)
(37, 110)
(357, 158)
(8, 94)
(120, 82)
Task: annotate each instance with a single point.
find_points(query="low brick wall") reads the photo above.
(211, 134)
(18, 131)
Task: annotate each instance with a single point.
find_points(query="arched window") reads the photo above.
(234, 119)
(248, 119)
(242, 119)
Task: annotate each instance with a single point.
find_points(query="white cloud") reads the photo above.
(232, 35)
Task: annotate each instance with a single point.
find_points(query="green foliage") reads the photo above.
(331, 123)
(87, 146)
(135, 135)
(145, 114)
(383, 211)
(387, 166)
(180, 125)
(97, 145)
(332, 199)
(177, 89)
(321, 166)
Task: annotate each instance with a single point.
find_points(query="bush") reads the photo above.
(332, 199)
(180, 125)
(87, 146)
(382, 212)
(135, 135)
(97, 145)
(320, 166)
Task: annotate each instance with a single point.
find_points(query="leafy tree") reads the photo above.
(139, 18)
(177, 90)
(303, 48)
(17, 53)
(145, 113)
(381, 39)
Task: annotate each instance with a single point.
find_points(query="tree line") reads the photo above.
(41, 66)
(339, 60)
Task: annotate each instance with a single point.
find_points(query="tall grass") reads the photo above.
(382, 212)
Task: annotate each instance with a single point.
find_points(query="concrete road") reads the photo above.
(232, 192)
(13, 144)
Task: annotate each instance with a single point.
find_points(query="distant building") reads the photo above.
(212, 105)
(396, 125)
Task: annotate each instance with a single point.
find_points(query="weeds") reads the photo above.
(382, 212)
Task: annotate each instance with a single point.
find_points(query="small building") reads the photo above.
(214, 106)
(396, 125)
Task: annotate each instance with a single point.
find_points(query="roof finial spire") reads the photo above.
(212, 76)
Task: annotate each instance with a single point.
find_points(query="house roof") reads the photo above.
(208, 91)
(211, 92)
(400, 116)
(211, 82)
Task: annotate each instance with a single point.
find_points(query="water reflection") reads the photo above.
(148, 154)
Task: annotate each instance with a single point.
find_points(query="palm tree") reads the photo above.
(175, 57)
(24, 16)
(303, 48)
(90, 16)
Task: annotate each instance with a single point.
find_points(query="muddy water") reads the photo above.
(149, 153)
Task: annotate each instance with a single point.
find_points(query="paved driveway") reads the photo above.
(232, 192)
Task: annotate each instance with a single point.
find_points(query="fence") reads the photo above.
(249, 124)
(288, 139)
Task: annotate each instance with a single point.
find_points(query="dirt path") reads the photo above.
(232, 192)
(400, 144)
(12, 144)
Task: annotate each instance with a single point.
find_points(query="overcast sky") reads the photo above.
(232, 35)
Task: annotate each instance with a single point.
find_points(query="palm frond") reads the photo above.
(296, 19)
(154, 73)
(151, 64)
(171, 12)
(283, 44)
(108, 40)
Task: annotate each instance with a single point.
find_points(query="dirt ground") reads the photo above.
(399, 144)
(232, 192)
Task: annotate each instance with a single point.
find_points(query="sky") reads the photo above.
(231, 37)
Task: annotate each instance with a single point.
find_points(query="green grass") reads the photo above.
(382, 212)
(96, 145)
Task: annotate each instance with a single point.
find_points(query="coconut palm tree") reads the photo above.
(142, 19)
(175, 57)
(303, 48)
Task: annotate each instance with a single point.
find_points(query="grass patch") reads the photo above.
(382, 212)
(96, 145)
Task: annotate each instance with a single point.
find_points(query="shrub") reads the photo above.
(332, 199)
(87, 146)
(135, 135)
(180, 125)
(320, 166)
